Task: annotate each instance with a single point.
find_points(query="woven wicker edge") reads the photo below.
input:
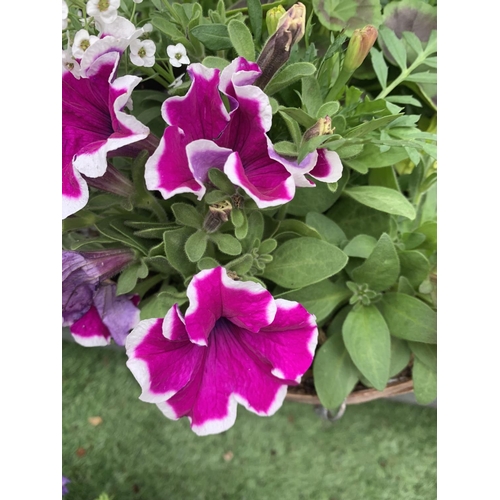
(358, 397)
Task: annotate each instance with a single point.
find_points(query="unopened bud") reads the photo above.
(322, 127)
(272, 18)
(361, 42)
(276, 52)
(217, 214)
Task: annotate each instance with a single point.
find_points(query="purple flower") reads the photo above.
(235, 344)
(203, 135)
(65, 481)
(90, 306)
(94, 124)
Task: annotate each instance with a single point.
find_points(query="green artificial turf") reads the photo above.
(378, 450)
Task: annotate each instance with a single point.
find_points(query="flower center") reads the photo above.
(103, 5)
(141, 52)
(178, 55)
(84, 45)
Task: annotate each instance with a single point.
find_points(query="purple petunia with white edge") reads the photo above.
(94, 124)
(235, 344)
(203, 135)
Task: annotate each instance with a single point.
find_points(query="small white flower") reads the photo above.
(70, 64)
(142, 53)
(148, 28)
(177, 82)
(82, 42)
(177, 55)
(64, 15)
(137, 1)
(103, 10)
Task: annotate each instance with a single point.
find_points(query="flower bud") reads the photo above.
(361, 42)
(272, 18)
(276, 52)
(217, 214)
(322, 127)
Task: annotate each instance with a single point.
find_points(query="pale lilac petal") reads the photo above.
(200, 113)
(118, 313)
(288, 343)
(212, 294)
(328, 167)
(89, 330)
(203, 155)
(266, 181)
(162, 366)
(167, 170)
(229, 374)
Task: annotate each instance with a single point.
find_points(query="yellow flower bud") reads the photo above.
(361, 42)
(272, 18)
(322, 127)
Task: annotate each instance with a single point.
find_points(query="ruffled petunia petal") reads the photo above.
(297, 170)
(162, 366)
(212, 294)
(328, 168)
(229, 374)
(89, 330)
(200, 113)
(288, 343)
(167, 170)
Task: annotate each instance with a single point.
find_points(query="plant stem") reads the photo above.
(264, 7)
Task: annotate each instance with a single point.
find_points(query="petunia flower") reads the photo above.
(90, 306)
(82, 42)
(142, 53)
(65, 481)
(235, 344)
(177, 54)
(103, 10)
(65, 12)
(203, 135)
(94, 124)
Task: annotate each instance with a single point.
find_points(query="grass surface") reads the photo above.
(378, 450)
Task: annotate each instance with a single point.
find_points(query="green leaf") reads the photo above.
(409, 318)
(220, 180)
(268, 246)
(215, 62)
(290, 74)
(158, 305)
(187, 215)
(367, 339)
(226, 243)
(241, 231)
(404, 99)
(255, 15)
(167, 27)
(404, 286)
(255, 230)
(328, 230)
(299, 115)
(297, 227)
(129, 276)
(303, 261)
(311, 95)
(175, 242)
(237, 217)
(241, 265)
(348, 15)
(317, 199)
(196, 245)
(213, 36)
(380, 66)
(361, 245)
(394, 45)
(370, 126)
(384, 177)
(413, 41)
(381, 269)
(414, 266)
(372, 157)
(293, 127)
(328, 109)
(355, 218)
(335, 375)
(426, 353)
(115, 229)
(424, 383)
(400, 356)
(320, 299)
(241, 38)
(383, 199)
(423, 77)
(207, 263)
(285, 148)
